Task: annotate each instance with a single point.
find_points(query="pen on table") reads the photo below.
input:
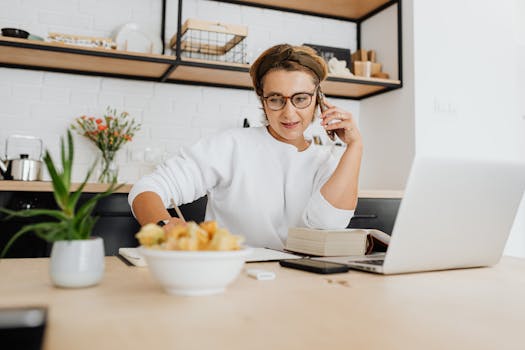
(177, 210)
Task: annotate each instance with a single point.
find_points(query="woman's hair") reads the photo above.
(289, 58)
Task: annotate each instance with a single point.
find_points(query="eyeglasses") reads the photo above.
(299, 100)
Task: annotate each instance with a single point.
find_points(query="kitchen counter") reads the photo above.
(481, 308)
(46, 186)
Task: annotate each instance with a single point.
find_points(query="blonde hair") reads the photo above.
(289, 58)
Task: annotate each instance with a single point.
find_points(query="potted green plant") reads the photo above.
(77, 259)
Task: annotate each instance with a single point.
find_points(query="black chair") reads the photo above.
(376, 213)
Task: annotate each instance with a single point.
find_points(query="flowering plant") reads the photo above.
(108, 134)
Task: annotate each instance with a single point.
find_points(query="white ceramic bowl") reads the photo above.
(195, 272)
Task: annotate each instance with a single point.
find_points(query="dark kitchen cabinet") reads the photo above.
(116, 224)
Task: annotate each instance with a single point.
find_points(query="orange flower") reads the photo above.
(109, 131)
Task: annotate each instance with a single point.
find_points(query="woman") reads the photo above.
(261, 181)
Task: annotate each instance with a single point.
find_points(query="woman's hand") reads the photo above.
(173, 221)
(344, 125)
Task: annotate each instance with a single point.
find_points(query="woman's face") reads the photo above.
(289, 123)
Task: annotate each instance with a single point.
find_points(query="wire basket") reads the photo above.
(212, 41)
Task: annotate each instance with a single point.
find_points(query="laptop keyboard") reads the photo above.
(372, 262)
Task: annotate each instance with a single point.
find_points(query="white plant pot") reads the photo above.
(76, 264)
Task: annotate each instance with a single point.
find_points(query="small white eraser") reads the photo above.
(259, 274)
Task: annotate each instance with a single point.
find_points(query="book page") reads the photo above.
(266, 254)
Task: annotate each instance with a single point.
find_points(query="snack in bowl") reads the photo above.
(192, 259)
(189, 236)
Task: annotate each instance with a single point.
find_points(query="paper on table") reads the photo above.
(133, 256)
(259, 254)
(266, 254)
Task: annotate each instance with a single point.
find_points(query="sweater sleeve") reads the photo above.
(189, 175)
(319, 213)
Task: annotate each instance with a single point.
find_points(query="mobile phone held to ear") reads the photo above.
(316, 266)
(323, 107)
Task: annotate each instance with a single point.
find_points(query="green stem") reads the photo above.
(107, 174)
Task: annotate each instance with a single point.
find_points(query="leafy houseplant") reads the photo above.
(69, 223)
(108, 134)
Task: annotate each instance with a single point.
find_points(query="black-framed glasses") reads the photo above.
(299, 100)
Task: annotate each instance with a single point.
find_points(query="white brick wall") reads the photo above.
(44, 104)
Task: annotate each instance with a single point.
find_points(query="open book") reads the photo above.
(336, 242)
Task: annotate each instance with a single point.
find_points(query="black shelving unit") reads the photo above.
(25, 54)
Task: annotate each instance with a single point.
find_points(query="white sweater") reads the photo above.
(257, 186)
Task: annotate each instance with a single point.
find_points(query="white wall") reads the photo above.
(465, 78)
(388, 119)
(516, 243)
(466, 84)
(44, 104)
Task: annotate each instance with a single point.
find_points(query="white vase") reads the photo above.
(78, 263)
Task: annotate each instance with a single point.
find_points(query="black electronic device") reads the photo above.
(323, 107)
(316, 266)
(22, 327)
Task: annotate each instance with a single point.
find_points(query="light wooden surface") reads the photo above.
(51, 45)
(212, 75)
(357, 87)
(43, 55)
(350, 87)
(46, 186)
(381, 194)
(463, 309)
(351, 9)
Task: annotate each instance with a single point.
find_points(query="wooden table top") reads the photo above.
(481, 308)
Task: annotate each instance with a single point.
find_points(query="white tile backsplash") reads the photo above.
(28, 92)
(56, 95)
(83, 97)
(71, 81)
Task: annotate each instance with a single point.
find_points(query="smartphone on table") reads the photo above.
(316, 266)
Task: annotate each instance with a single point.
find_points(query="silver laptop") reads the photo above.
(455, 213)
